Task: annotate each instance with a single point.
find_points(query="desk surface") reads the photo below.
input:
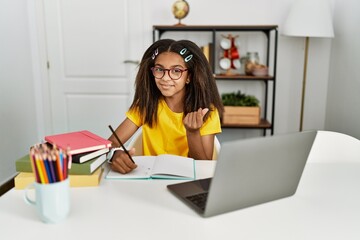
(326, 206)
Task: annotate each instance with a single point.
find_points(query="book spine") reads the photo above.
(101, 140)
(23, 167)
(76, 168)
(23, 179)
(79, 169)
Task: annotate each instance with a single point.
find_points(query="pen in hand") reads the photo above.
(122, 145)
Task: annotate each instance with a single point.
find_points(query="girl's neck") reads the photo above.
(175, 104)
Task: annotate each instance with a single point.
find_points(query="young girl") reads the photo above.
(176, 103)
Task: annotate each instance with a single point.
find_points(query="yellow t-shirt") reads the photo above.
(168, 136)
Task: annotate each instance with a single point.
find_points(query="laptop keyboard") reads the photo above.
(199, 199)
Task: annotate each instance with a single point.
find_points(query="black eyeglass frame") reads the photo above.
(168, 71)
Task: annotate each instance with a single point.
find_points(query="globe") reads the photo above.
(180, 9)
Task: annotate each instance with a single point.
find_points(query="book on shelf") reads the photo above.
(23, 179)
(24, 165)
(165, 166)
(78, 142)
(208, 50)
(211, 56)
(86, 156)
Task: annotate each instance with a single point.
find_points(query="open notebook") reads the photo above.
(165, 166)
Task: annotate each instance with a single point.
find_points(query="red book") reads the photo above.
(78, 142)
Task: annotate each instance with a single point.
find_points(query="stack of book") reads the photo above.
(88, 153)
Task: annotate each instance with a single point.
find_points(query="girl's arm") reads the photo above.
(200, 147)
(121, 161)
(124, 131)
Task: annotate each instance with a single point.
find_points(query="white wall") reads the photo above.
(343, 111)
(18, 128)
(290, 57)
(325, 99)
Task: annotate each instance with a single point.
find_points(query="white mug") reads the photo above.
(52, 201)
(225, 63)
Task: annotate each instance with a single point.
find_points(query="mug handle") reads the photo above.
(26, 197)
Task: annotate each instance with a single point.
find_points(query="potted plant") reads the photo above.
(240, 108)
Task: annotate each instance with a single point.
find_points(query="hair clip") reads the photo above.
(188, 58)
(183, 51)
(155, 54)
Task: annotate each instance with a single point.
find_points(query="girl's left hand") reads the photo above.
(194, 120)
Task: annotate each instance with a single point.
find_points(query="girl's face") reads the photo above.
(175, 76)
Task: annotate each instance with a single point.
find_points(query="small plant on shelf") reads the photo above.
(239, 99)
(240, 109)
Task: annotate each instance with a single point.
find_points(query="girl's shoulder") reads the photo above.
(213, 113)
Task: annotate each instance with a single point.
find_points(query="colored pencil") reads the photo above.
(65, 167)
(47, 168)
(33, 165)
(58, 165)
(52, 168)
(43, 169)
(69, 157)
(54, 164)
(38, 165)
(49, 164)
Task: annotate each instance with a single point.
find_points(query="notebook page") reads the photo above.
(144, 166)
(175, 166)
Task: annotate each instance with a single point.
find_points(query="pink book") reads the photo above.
(78, 142)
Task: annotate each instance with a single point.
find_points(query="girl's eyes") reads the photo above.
(158, 69)
(176, 70)
(174, 73)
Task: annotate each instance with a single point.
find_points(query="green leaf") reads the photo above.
(239, 99)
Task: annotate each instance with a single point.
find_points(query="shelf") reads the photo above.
(263, 124)
(269, 81)
(215, 27)
(243, 77)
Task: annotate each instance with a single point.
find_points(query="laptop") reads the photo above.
(249, 172)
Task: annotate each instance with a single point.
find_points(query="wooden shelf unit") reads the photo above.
(271, 33)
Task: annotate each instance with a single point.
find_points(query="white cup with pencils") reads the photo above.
(52, 187)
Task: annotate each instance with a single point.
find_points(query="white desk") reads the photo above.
(326, 206)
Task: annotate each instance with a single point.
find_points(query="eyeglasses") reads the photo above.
(174, 73)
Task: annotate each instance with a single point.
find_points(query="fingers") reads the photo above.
(198, 118)
(194, 120)
(200, 114)
(204, 111)
(132, 151)
(122, 163)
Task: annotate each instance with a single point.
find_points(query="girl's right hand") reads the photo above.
(121, 162)
(193, 121)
